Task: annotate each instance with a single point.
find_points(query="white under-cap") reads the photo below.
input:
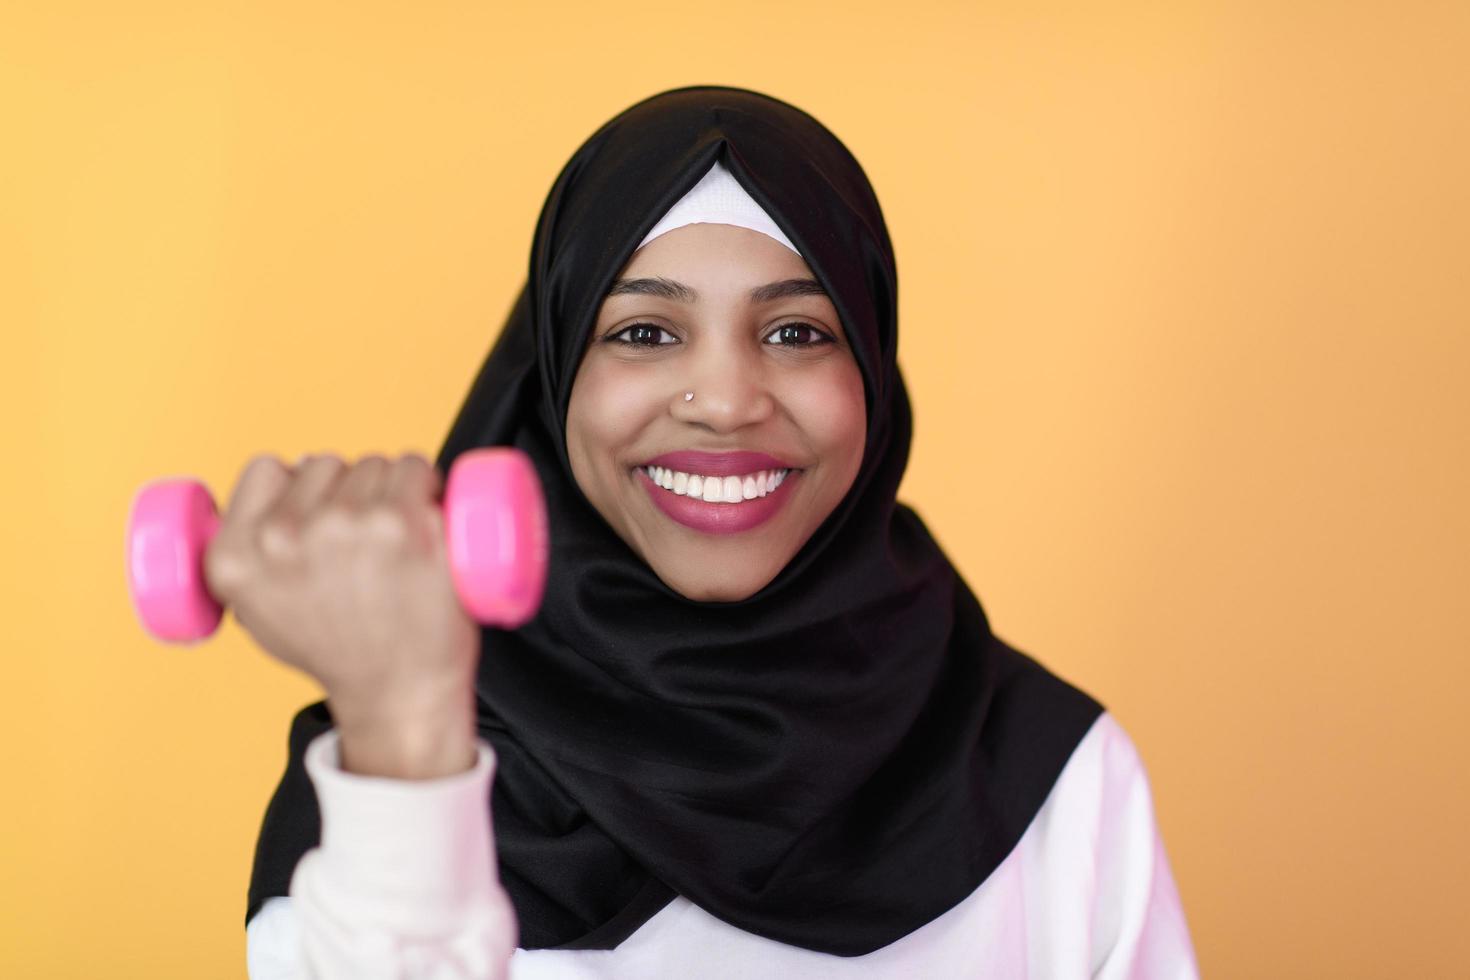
(718, 199)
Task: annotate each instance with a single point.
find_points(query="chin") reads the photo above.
(704, 588)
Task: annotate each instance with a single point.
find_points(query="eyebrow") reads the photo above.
(677, 291)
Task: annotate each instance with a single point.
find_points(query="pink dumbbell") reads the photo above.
(494, 525)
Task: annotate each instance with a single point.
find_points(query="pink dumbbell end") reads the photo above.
(495, 529)
(171, 523)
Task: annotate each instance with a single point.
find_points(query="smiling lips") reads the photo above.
(717, 493)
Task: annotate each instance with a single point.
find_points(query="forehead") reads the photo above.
(715, 253)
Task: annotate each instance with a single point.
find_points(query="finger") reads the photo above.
(262, 481)
(312, 483)
(412, 488)
(411, 481)
(362, 484)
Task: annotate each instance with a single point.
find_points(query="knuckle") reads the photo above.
(385, 524)
(332, 523)
(279, 538)
(261, 481)
(417, 478)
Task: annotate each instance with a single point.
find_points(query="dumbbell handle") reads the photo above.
(494, 528)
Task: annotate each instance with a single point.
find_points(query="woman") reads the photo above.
(760, 726)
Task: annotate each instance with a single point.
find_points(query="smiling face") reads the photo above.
(738, 319)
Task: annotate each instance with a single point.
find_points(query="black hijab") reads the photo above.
(832, 762)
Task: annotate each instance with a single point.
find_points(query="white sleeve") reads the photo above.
(1139, 930)
(404, 883)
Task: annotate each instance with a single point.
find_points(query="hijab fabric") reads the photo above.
(831, 762)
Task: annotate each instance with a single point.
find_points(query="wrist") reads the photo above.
(407, 738)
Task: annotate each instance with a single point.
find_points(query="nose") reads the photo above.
(730, 390)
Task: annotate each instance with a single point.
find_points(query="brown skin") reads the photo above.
(793, 395)
(340, 570)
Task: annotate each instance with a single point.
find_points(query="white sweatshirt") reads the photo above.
(403, 886)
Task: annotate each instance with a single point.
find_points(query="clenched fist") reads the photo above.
(340, 571)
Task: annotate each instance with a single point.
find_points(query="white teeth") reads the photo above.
(716, 489)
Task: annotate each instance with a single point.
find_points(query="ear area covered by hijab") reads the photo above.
(831, 762)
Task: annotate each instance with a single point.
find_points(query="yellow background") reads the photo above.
(1184, 318)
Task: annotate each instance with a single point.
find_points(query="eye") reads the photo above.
(641, 335)
(799, 335)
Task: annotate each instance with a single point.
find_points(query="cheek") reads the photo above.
(605, 413)
(834, 415)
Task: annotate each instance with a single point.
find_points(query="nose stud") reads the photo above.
(688, 396)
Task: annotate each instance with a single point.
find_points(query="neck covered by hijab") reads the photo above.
(831, 762)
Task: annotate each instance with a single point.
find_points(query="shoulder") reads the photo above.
(1098, 820)
(1103, 782)
(1108, 752)
(1098, 834)
(1040, 721)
